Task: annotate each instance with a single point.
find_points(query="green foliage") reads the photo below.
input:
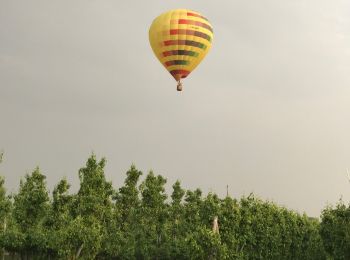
(90, 212)
(31, 203)
(25, 232)
(153, 215)
(123, 228)
(59, 219)
(5, 210)
(335, 231)
(5, 205)
(94, 196)
(262, 230)
(138, 221)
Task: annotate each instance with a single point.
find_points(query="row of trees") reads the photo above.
(140, 221)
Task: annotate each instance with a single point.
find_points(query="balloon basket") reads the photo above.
(179, 86)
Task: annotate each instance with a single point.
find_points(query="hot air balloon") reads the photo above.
(180, 39)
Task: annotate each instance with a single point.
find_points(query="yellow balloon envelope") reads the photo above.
(180, 39)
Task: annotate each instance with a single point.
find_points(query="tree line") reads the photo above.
(141, 221)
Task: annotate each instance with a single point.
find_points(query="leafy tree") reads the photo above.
(59, 218)
(62, 200)
(5, 203)
(91, 211)
(176, 222)
(335, 231)
(230, 234)
(205, 244)
(193, 203)
(122, 237)
(30, 208)
(128, 196)
(94, 196)
(314, 248)
(153, 214)
(5, 210)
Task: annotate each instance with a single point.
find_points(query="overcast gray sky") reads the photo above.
(267, 111)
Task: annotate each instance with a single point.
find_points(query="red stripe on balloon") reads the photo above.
(182, 73)
(197, 15)
(197, 23)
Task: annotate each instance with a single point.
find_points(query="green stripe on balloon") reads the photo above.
(177, 62)
(180, 52)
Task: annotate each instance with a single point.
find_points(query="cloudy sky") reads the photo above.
(267, 111)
